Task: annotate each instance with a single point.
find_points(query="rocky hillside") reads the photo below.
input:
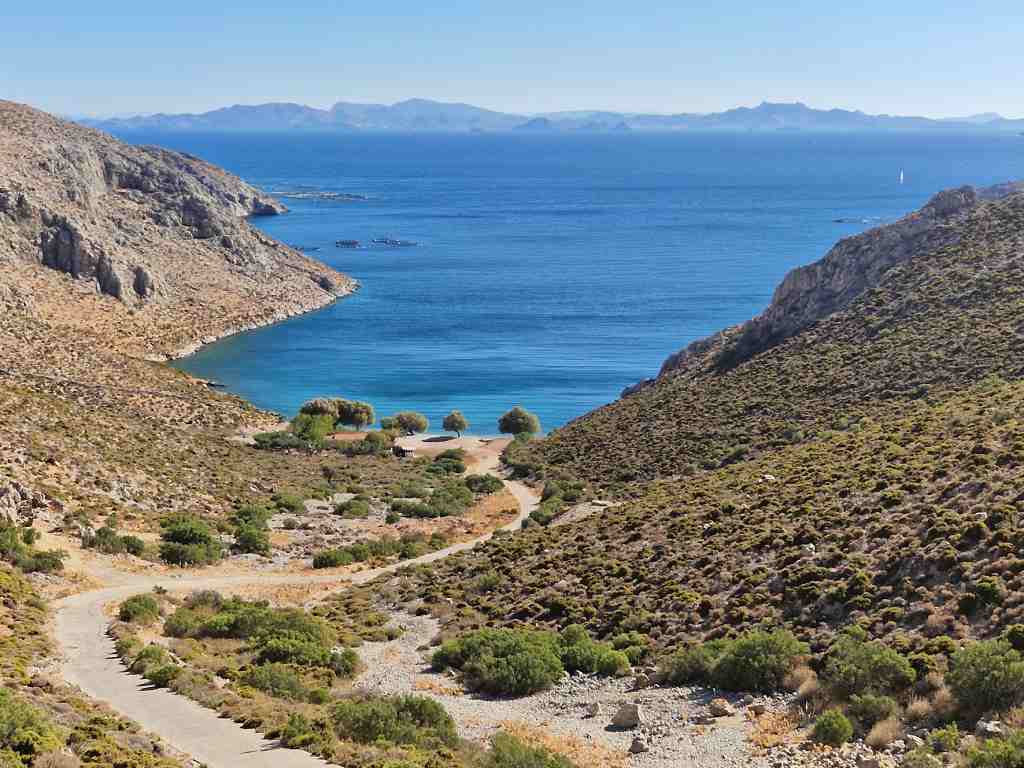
(148, 249)
(806, 470)
(110, 256)
(931, 303)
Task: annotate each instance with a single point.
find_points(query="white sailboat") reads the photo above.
(901, 175)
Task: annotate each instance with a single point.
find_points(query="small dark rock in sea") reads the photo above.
(315, 195)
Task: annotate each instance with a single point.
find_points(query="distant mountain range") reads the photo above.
(433, 116)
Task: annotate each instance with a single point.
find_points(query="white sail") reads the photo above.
(901, 175)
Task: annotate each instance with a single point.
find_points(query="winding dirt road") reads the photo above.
(90, 662)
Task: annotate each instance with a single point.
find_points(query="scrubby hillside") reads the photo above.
(866, 469)
(109, 255)
(147, 248)
(946, 314)
(907, 524)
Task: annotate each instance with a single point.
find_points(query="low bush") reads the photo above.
(278, 680)
(483, 483)
(139, 609)
(150, 657)
(1007, 752)
(407, 720)
(252, 540)
(855, 665)
(868, 709)
(16, 548)
(832, 727)
(509, 752)
(107, 540)
(516, 662)
(354, 508)
(279, 441)
(187, 540)
(162, 675)
(756, 661)
(184, 622)
(985, 675)
(25, 732)
(332, 558)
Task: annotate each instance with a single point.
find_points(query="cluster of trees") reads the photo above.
(319, 416)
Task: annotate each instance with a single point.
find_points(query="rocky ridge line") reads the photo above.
(854, 265)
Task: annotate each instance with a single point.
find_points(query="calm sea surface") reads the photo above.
(551, 271)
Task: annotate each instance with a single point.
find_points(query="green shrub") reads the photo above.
(139, 609)
(298, 732)
(354, 508)
(187, 540)
(855, 665)
(868, 709)
(503, 661)
(414, 720)
(279, 441)
(985, 675)
(758, 661)
(278, 680)
(483, 483)
(161, 676)
(289, 502)
(945, 739)
(832, 727)
(332, 558)
(509, 752)
(252, 540)
(149, 657)
(344, 662)
(998, 753)
(108, 541)
(580, 653)
(25, 731)
(1014, 635)
(182, 623)
(312, 428)
(692, 665)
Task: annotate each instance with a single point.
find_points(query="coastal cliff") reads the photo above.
(853, 266)
(148, 248)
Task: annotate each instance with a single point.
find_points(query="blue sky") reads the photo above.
(935, 58)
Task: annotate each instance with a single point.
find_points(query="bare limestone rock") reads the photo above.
(156, 243)
(628, 716)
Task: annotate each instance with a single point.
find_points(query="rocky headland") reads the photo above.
(147, 248)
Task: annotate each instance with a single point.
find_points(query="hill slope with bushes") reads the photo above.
(943, 318)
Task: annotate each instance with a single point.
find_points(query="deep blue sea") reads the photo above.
(551, 270)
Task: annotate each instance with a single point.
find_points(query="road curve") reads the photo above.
(89, 661)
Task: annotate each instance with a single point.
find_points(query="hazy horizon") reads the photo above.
(663, 58)
(568, 111)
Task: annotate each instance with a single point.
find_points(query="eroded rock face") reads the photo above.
(19, 504)
(853, 266)
(163, 232)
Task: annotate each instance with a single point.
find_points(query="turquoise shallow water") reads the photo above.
(552, 271)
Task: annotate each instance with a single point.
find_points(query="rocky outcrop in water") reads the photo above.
(162, 233)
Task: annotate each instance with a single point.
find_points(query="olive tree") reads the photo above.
(410, 422)
(519, 421)
(354, 413)
(455, 422)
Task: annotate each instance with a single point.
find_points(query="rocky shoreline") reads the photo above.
(278, 317)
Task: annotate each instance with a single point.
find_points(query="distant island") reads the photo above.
(423, 115)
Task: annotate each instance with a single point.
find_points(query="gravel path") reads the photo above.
(88, 660)
(673, 719)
